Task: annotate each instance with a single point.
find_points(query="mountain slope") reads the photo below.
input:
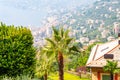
(97, 22)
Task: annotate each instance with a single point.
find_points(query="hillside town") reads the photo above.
(99, 22)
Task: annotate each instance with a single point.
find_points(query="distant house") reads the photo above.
(97, 60)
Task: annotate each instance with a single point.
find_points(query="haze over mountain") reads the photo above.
(97, 22)
(32, 12)
(88, 22)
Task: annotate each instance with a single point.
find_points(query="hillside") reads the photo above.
(97, 22)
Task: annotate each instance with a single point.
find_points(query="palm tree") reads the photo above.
(44, 62)
(60, 44)
(111, 66)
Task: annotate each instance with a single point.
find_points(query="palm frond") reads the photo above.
(57, 38)
(50, 41)
(66, 33)
(44, 49)
(74, 48)
(61, 32)
(68, 41)
(50, 54)
(56, 31)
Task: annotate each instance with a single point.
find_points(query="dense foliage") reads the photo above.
(16, 50)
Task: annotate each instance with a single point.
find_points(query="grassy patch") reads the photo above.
(67, 76)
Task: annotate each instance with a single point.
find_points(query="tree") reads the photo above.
(80, 59)
(44, 63)
(60, 44)
(17, 54)
(111, 66)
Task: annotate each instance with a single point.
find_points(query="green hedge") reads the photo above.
(17, 55)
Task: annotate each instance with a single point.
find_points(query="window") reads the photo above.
(105, 77)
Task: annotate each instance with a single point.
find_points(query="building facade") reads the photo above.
(97, 61)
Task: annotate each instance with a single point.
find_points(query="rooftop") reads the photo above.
(96, 58)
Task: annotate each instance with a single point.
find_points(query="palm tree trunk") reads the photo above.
(45, 75)
(61, 66)
(111, 76)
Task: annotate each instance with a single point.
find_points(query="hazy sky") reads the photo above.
(32, 12)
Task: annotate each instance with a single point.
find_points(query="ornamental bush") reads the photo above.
(17, 54)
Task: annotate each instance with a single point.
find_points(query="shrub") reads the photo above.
(17, 55)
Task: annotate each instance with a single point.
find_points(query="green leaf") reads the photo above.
(68, 41)
(49, 40)
(55, 31)
(57, 38)
(66, 33)
(61, 31)
(74, 48)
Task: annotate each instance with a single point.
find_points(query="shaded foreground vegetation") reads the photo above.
(53, 76)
